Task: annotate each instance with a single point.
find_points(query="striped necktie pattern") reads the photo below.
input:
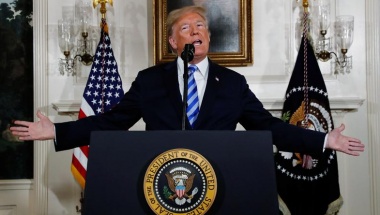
(192, 96)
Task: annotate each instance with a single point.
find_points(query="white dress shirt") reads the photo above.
(200, 77)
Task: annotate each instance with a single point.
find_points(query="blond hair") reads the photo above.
(174, 15)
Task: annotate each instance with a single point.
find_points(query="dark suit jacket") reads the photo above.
(155, 97)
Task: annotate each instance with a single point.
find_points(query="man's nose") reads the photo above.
(194, 30)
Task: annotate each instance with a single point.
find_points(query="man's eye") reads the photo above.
(184, 28)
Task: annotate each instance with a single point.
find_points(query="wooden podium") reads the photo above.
(242, 160)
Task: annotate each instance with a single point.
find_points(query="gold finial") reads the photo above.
(102, 3)
(305, 5)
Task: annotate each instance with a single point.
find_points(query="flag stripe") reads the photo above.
(86, 108)
(81, 154)
(77, 175)
(81, 114)
(80, 168)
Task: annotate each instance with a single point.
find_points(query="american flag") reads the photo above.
(103, 91)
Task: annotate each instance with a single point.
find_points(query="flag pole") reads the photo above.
(305, 4)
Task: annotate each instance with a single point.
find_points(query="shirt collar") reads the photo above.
(202, 66)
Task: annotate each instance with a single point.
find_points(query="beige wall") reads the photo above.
(56, 192)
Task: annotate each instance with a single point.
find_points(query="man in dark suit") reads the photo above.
(223, 97)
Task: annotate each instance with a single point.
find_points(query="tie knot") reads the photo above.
(192, 69)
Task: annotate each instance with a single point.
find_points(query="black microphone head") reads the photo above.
(188, 53)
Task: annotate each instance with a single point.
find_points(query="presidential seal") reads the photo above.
(303, 167)
(180, 182)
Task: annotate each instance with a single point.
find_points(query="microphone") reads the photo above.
(187, 54)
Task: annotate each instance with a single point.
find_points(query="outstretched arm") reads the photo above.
(345, 144)
(40, 130)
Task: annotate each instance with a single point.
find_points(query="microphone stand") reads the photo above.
(187, 56)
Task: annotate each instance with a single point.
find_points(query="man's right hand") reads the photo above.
(40, 130)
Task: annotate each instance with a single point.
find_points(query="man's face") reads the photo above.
(191, 29)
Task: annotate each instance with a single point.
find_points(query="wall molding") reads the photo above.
(373, 89)
(19, 184)
(8, 209)
(39, 201)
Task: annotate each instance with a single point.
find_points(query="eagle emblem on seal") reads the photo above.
(319, 119)
(180, 181)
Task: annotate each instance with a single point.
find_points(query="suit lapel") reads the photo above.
(171, 83)
(209, 96)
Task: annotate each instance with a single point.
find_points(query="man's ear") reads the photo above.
(173, 43)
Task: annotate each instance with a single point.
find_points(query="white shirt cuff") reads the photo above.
(324, 144)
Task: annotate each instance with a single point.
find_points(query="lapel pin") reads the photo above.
(216, 78)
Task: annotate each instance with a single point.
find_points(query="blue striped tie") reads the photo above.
(192, 96)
